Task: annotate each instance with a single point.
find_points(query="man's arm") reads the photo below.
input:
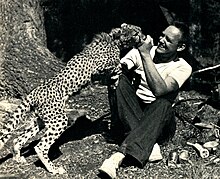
(157, 84)
(127, 62)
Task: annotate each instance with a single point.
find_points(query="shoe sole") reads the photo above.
(106, 172)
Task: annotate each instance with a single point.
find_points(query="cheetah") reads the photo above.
(48, 100)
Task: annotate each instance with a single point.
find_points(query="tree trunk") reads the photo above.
(195, 27)
(25, 61)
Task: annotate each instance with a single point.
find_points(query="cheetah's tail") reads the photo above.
(11, 121)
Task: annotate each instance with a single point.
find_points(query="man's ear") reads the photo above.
(181, 47)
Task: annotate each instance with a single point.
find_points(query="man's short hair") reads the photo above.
(184, 30)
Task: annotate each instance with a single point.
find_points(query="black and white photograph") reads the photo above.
(109, 89)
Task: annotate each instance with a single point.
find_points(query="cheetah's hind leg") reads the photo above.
(19, 142)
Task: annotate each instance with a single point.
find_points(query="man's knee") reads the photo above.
(162, 102)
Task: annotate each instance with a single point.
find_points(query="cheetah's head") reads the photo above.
(127, 36)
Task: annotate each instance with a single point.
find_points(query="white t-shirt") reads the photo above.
(180, 70)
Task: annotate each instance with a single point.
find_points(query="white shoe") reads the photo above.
(155, 154)
(109, 167)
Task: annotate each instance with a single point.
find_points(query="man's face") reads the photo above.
(168, 43)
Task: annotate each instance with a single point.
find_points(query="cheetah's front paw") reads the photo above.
(59, 170)
(48, 164)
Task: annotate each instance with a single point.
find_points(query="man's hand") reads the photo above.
(116, 73)
(146, 45)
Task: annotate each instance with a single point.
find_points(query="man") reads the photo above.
(145, 110)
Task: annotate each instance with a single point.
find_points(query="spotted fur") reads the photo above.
(48, 100)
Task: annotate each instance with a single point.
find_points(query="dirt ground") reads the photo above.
(83, 147)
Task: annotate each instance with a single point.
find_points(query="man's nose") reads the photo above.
(162, 38)
(143, 37)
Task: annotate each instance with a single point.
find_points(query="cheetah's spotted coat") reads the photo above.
(48, 100)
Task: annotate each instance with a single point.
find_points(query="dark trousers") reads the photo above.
(144, 124)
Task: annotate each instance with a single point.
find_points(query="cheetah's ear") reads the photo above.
(116, 32)
(123, 25)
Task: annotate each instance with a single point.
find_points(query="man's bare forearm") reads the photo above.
(155, 81)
